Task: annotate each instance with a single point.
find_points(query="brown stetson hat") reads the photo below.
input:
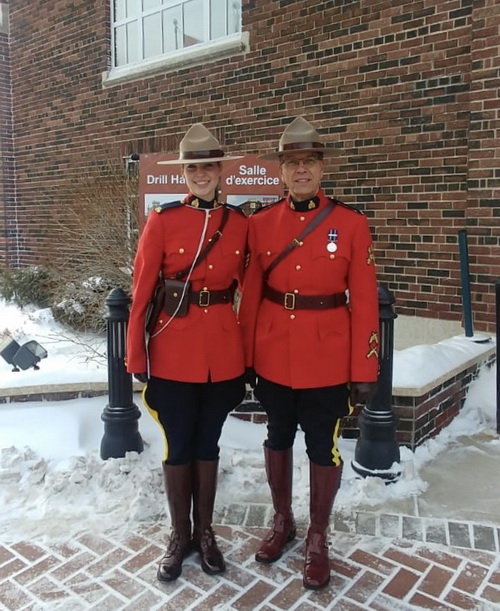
(299, 136)
(199, 146)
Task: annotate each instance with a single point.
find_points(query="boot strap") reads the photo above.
(207, 540)
(316, 543)
(175, 543)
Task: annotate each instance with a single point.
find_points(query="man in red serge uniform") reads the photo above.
(309, 315)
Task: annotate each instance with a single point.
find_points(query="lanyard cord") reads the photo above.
(186, 282)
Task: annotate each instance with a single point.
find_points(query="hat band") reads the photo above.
(301, 145)
(201, 154)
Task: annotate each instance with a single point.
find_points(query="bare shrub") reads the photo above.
(93, 246)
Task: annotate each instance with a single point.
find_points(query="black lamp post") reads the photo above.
(377, 449)
(121, 415)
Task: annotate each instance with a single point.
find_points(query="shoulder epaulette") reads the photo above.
(268, 206)
(348, 206)
(162, 207)
(236, 209)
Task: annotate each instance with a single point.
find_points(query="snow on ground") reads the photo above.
(53, 482)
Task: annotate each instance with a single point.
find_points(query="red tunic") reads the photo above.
(206, 342)
(311, 348)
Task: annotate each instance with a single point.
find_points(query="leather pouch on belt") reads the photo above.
(176, 299)
(155, 307)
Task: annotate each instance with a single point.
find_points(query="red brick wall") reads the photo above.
(406, 90)
(483, 193)
(7, 193)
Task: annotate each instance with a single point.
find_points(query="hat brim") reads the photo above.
(202, 160)
(326, 152)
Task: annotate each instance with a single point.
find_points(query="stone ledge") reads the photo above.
(415, 391)
(57, 392)
(186, 58)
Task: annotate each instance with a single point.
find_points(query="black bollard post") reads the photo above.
(376, 449)
(465, 277)
(121, 415)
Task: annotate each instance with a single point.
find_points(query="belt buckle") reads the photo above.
(289, 301)
(204, 299)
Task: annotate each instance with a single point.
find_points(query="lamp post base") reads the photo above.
(377, 450)
(121, 432)
(388, 475)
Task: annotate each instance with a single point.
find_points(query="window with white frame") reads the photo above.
(148, 30)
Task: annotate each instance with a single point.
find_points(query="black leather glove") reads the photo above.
(250, 377)
(361, 392)
(142, 377)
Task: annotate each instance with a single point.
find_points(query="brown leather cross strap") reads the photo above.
(207, 298)
(294, 301)
(298, 240)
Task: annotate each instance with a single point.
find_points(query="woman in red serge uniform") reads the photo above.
(310, 323)
(192, 362)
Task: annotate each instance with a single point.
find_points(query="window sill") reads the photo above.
(201, 54)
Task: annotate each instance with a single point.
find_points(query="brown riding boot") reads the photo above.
(279, 469)
(325, 482)
(178, 480)
(205, 485)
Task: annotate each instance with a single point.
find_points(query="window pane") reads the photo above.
(193, 22)
(132, 48)
(133, 8)
(152, 36)
(234, 17)
(119, 12)
(149, 4)
(217, 19)
(172, 23)
(120, 46)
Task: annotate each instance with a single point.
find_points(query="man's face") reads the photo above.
(302, 172)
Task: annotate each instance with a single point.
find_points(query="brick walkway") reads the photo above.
(379, 562)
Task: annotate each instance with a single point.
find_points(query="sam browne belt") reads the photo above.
(294, 301)
(207, 298)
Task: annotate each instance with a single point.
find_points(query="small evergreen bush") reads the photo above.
(82, 305)
(27, 285)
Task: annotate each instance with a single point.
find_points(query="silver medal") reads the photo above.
(331, 247)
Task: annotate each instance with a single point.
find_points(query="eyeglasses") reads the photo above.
(292, 163)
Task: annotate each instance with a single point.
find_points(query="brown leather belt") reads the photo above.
(207, 298)
(294, 301)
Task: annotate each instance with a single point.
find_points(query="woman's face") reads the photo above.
(203, 179)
